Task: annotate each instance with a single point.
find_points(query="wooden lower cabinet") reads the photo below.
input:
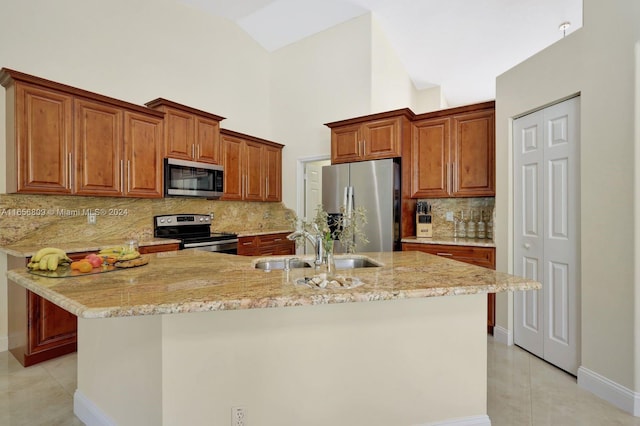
(266, 245)
(40, 330)
(480, 256)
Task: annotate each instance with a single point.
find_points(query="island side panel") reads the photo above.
(120, 371)
(396, 362)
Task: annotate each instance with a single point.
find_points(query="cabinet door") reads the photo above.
(179, 135)
(231, 161)
(207, 140)
(430, 158)
(44, 135)
(98, 146)
(248, 246)
(253, 171)
(381, 138)
(273, 174)
(345, 144)
(54, 326)
(473, 151)
(143, 155)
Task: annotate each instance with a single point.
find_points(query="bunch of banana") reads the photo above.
(120, 253)
(48, 259)
(111, 251)
(128, 256)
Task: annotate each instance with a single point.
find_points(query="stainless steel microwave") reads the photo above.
(192, 179)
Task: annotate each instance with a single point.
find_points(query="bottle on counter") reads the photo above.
(461, 226)
(490, 227)
(471, 225)
(481, 231)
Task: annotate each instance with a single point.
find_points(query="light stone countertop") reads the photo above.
(252, 233)
(29, 250)
(473, 242)
(198, 281)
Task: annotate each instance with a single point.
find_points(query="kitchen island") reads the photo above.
(186, 338)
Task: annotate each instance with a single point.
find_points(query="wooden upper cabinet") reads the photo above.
(430, 158)
(252, 167)
(273, 173)
(98, 148)
(42, 126)
(71, 141)
(370, 137)
(190, 134)
(473, 154)
(208, 140)
(453, 153)
(142, 155)
(253, 171)
(232, 150)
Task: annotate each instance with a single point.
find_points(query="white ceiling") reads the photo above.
(460, 45)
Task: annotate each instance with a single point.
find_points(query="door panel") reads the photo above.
(546, 232)
(528, 255)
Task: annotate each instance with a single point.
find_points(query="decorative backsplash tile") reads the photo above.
(45, 219)
(440, 206)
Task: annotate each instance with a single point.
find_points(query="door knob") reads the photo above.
(527, 245)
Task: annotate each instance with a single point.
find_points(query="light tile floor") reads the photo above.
(522, 390)
(525, 390)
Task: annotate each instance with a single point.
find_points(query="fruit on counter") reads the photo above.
(85, 267)
(94, 259)
(128, 256)
(119, 253)
(48, 259)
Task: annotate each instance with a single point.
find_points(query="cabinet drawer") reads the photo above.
(480, 256)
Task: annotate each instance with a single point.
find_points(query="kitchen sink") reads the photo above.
(354, 262)
(341, 262)
(272, 264)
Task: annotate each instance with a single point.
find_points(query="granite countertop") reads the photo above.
(198, 281)
(29, 250)
(473, 242)
(253, 233)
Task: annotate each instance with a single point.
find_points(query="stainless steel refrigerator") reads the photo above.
(374, 185)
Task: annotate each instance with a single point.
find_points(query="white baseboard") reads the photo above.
(502, 335)
(4, 343)
(483, 420)
(88, 412)
(610, 391)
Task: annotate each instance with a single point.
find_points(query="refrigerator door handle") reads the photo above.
(350, 202)
(345, 201)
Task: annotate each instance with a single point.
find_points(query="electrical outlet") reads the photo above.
(92, 218)
(238, 416)
(449, 216)
(212, 215)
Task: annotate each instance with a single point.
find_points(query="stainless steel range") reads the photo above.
(194, 231)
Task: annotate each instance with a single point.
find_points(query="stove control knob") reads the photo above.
(161, 220)
(202, 219)
(169, 220)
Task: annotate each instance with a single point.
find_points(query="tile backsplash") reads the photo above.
(46, 219)
(440, 206)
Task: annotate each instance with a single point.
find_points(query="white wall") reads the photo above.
(597, 61)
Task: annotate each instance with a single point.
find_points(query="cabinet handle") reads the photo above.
(242, 187)
(364, 147)
(121, 175)
(266, 185)
(444, 254)
(69, 170)
(128, 175)
(193, 150)
(198, 151)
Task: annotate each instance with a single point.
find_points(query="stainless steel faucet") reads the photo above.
(315, 240)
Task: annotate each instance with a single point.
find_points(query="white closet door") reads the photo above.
(528, 230)
(547, 239)
(562, 235)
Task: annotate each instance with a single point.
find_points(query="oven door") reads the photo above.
(228, 246)
(192, 179)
